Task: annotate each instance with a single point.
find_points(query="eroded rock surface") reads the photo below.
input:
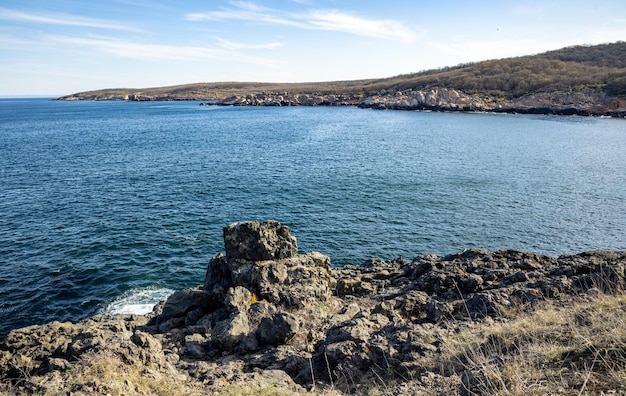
(267, 315)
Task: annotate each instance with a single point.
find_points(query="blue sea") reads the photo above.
(110, 206)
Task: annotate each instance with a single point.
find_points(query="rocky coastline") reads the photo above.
(432, 99)
(267, 317)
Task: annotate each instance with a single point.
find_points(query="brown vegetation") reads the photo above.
(578, 69)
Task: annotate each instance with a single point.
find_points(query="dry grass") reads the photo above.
(256, 390)
(573, 348)
(105, 373)
(577, 349)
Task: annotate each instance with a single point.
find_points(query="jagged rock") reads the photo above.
(433, 99)
(278, 329)
(290, 281)
(227, 334)
(259, 241)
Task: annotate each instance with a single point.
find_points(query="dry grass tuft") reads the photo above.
(574, 349)
(105, 373)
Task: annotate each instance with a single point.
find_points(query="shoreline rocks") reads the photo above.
(431, 99)
(269, 316)
(451, 100)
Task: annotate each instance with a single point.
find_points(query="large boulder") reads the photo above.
(253, 240)
(250, 294)
(262, 258)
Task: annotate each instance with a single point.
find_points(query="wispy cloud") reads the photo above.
(245, 11)
(157, 52)
(231, 45)
(331, 20)
(342, 22)
(61, 19)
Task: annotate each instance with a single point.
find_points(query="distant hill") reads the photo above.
(581, 68)
(592, 70)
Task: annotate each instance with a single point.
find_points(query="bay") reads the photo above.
(109, 206)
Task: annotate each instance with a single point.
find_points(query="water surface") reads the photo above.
(111, 205)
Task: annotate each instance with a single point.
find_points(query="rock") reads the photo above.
(290, 282)
(252, 240)
(182, 302)
(278, 329)
(239, 298)
(145, 340)
(57, 364)
(481, 305)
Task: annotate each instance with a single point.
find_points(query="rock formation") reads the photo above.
(444, 99)
(440, 99)
(267, 315)
(433, 98)
(291, 99)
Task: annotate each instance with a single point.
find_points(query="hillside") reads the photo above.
(583, 69)
(595, 75)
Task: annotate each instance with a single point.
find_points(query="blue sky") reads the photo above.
(65, 46)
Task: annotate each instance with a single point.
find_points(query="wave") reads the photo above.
(138, 301)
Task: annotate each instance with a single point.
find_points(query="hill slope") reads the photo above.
(595, 75)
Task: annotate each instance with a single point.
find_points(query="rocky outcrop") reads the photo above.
(291, 99)
(444, 99)
(440, 99)
(568, 103)
(269, 316)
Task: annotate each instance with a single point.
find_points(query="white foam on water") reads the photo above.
(138, 301)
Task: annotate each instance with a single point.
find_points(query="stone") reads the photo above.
(278, 329)
(239, 298)
(253, 240)
(181, 302)
(227, 334)
(145, 340)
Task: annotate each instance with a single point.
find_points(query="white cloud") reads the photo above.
(331, 20)
(231, 45)
(244, 11)
(342, 22)
(158, 52)
(61, 19)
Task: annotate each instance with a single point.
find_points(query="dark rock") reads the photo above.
(227, 334)
(252, 240)
(278, 329)
(482, 304)
(182, 302)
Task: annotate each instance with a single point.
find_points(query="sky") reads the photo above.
(60, 47)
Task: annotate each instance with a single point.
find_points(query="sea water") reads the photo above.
(110, 206)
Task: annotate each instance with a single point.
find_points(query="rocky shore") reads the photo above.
(433, 99)
(267, 317)
(443, 99)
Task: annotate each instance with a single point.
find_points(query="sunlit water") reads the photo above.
(109, 206)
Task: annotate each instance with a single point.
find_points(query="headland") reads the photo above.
(579, 80)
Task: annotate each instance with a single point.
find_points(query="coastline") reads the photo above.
(577, 80)
(267, 317)
(434, 99)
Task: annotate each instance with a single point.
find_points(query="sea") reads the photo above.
(108, 207)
